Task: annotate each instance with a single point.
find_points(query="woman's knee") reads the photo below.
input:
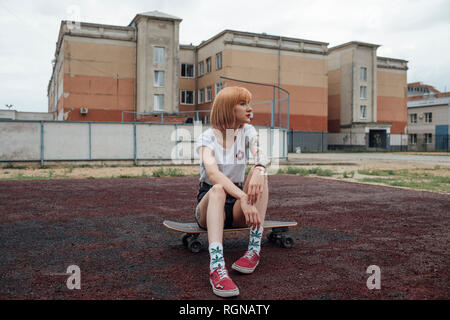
(218, 192)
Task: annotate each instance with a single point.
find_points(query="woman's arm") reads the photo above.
(258, 153)
(217, 177)
(256, 182)
(212, 170)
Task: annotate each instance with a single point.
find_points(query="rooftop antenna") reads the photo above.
(9, 106)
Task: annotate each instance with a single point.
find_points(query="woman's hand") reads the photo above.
(256, 184)
(250, 212)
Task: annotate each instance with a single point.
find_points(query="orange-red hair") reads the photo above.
(222, 111)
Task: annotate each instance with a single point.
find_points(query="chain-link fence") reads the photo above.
(270, 103)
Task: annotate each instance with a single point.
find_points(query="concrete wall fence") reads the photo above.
(102, 141)
(358, 140)
(308, 141)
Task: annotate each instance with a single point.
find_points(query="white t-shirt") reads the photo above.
(231, 161)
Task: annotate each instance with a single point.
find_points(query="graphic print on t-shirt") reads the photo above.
(240, 155)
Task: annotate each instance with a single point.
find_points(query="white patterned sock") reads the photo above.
(255, 239)
(216, 256)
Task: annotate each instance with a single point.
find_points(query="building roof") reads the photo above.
(430, 102)
(358, 43)
(156, 15)
(421, 85)
(263, 36)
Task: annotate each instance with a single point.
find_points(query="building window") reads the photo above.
(428, 138)
(187, 70)
(201, 96)
(208, 94)
(208, 65)
(219, 61)
(200, 68)
(363, 74)
(363, 92)
(158, 54)
(218, 87)
(158, 102)
(159, 79)
(414, 118)
(428, 117)
(413, 138)
(187, 97)
(363, 112)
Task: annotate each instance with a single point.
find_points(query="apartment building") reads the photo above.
(113, 73)
(428, 118)
(366, 98)
(298, 66)
(343, 96)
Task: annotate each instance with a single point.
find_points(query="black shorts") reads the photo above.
(229, 202)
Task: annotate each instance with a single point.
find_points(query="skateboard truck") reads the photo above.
(279, 235)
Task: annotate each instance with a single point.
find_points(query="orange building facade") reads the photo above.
(140, 72)
(366, 98)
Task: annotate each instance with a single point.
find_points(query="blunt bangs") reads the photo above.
(222, 111)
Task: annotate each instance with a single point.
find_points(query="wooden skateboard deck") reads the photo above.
(192, 227)
(192, 231)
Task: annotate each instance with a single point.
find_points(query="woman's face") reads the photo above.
(243, 113)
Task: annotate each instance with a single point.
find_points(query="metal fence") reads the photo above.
(429, 142)
(162, 117)
(389, 142)
(43, 141)
(271, 103)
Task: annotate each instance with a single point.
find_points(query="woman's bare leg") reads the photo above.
(212, 214)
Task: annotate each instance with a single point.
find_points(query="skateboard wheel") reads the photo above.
(185, 239)
(195, 246)
(271, 237)
(287, 242)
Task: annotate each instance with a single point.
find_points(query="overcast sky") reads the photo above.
(414, 30)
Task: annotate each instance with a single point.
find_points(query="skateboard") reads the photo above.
(191, 231)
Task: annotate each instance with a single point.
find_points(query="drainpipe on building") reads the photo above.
(135, 68)
(279, 82)
(196, 82)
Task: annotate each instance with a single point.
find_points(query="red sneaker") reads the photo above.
(222, 284)
(247, 264)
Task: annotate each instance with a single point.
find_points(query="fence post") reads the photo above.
(176, 142)
(134, 143)
(273, 109)
(42, 143)
(90, 142)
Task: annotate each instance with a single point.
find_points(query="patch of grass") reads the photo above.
(12, 166)
(144, 174)
(350, 174)
(306, 172)
(322, 172)
(126, 176)
(440, 179)
(169, 172)
(376, 180)
(51, 173)
(377, 172)
(413, 181)
(20, 176)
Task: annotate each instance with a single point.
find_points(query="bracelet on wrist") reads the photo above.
(261, 168)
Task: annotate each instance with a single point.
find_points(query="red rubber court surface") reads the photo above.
(112, 229)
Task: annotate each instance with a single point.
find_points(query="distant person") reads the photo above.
(224, 201)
